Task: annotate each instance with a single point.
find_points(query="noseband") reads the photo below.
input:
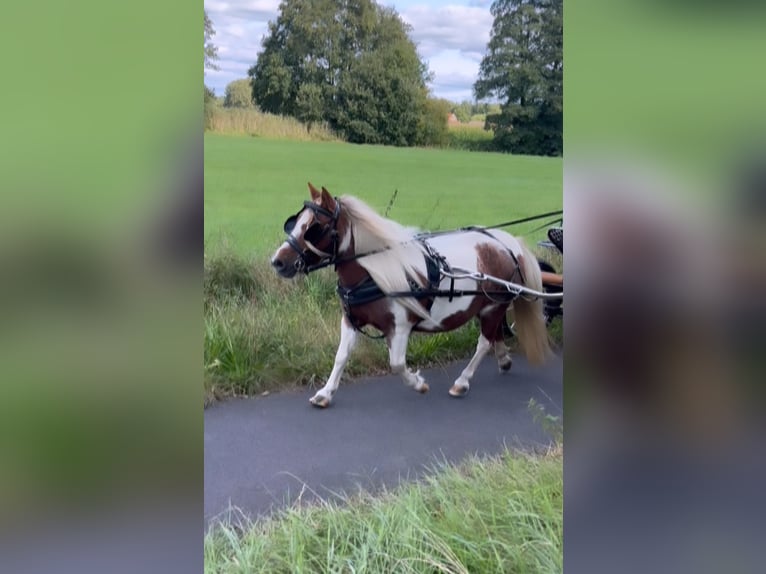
(315, 233)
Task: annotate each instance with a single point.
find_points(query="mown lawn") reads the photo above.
(253, 184)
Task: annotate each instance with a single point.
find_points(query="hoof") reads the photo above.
(320, 403)
(505, 366)
(458, 391)
(423, 388)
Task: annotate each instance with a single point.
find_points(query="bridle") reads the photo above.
(313, 235)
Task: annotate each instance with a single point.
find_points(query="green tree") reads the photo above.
(309, 104)
(433, 130)
(211, 50)
(523, 68)
(463, 111)
(347, 62)
(211, 55)
(238, 94)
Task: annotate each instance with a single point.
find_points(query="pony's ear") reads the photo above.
(327, 200)
(314, 192)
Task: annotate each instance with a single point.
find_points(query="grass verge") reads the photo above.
(263, 333)
(500, 514)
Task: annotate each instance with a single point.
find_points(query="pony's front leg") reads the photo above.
(348, 339)
(461, 385)
(397, 355)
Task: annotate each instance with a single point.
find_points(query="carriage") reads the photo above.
(401, 280)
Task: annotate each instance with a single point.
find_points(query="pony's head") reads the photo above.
(312, 235)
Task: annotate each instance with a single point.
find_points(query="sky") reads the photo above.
(451, 36)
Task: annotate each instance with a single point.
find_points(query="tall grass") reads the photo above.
(263, 333)
(501, 514)
(470, 138)
(256, 123)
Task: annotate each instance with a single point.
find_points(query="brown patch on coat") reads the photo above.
(496, 262)
(452, 322)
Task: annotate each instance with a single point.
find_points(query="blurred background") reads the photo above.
(100, 280)
(664, 193)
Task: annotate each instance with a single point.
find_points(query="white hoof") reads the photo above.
(320, 401)
(459, 388)
(420, 384)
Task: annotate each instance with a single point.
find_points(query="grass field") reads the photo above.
(252, 185)
(263, 333)
(501, 514)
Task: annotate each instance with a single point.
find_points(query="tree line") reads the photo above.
(352, 65)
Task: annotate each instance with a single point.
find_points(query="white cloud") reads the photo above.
(245, 9)
(239, 25)
(451, 38)
(454, 75)
(452, 27)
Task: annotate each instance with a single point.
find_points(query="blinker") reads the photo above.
(290, 223)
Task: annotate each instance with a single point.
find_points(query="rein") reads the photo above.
(525, 219)
(505, 224)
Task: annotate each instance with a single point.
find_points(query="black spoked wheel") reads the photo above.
(552, 308)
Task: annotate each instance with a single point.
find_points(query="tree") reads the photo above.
(211, 50)
(211, 55)
(238, 94)
(433, 130)
(308, 104)
(347, 62)
(523, 68)
(463, 111)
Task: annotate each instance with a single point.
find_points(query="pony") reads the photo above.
(392, 278)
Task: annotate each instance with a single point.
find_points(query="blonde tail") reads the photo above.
(528, 314)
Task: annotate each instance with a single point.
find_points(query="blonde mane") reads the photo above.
(402, 258)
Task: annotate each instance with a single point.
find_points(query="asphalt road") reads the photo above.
(262, 453)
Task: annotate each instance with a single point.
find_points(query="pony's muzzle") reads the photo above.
(284, 268)
(278, 264)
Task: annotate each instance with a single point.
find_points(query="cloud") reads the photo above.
(239, 25)
(244, 9)
(454, 75)
(452, 39)
(452, 27)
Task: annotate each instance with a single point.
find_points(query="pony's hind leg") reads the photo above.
(460, 387)
(502, 354)
(397, 354)
(491, 325)
(348, 337)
